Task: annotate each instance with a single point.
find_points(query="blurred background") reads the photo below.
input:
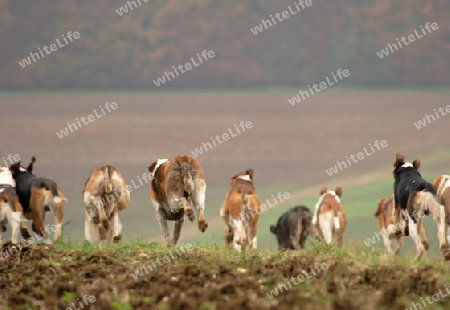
(122, 51)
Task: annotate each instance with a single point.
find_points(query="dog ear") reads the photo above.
(238, 175)
(235, 176)
(152, 167)
(323, 190)
(416, 164)
(399, 159)
(15, 167)
(273, 229)
(338, 191)
(249, 171)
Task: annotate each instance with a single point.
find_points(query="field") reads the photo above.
(209, 277)
(289, 147)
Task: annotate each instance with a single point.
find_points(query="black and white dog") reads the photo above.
(414, 197)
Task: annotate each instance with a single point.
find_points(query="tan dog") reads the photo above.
(176, 183)
(330, 216)
(240, 211)
(105, 195)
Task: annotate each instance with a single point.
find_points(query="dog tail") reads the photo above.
(380, 205)
(246, 216)
(244, 204)
(244, 198)
(337, 222)
(107, 177)
(30, 165)
(102, 217)
(187, 178)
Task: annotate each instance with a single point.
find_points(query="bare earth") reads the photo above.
(41, 277)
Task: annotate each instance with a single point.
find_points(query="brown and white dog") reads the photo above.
(38, 195)
(415, 197)
(442, 184)
(105, 194)
(176, 183)
(11, 210)
(329, 216)
(386, 221)
(240, 211)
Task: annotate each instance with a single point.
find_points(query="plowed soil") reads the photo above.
(42, 277)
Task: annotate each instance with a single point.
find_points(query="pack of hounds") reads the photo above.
(177, 186)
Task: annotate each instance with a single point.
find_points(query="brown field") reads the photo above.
(287, 145)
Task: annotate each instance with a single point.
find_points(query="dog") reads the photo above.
(175, 184)
(11, 211)
(37, 196)
(329, 217)
(293, 227)
(240, 211)
(413, 196)
(105, 195)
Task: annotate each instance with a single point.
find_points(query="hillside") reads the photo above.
(131, 50)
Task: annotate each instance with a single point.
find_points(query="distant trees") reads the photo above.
(132, 50)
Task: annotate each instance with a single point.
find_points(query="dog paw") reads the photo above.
(407, 231)
(202, 225)
(446, 255)
(102, 232)
(426, 245)
(25, 233)
(229, 236)
(445, 249)
(105, 224)
(117, 238)
(190, 214)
